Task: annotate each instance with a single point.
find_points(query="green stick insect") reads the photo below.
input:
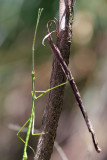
(34, 98)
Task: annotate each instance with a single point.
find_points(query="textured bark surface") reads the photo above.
(55, 99)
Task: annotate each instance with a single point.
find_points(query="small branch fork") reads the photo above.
(72, 83)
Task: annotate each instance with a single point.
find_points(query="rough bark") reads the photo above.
(55, 99)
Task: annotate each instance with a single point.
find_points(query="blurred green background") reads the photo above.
(88, 64)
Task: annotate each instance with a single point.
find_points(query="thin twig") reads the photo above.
(60, 151)
(70, 78)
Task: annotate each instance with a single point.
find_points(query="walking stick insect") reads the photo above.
(34, 98)
(71, 81)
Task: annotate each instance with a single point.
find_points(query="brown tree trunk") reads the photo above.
(55, 99)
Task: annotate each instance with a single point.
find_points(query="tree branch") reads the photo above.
(55, 100)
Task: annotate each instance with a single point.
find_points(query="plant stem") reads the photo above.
(55, 99)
